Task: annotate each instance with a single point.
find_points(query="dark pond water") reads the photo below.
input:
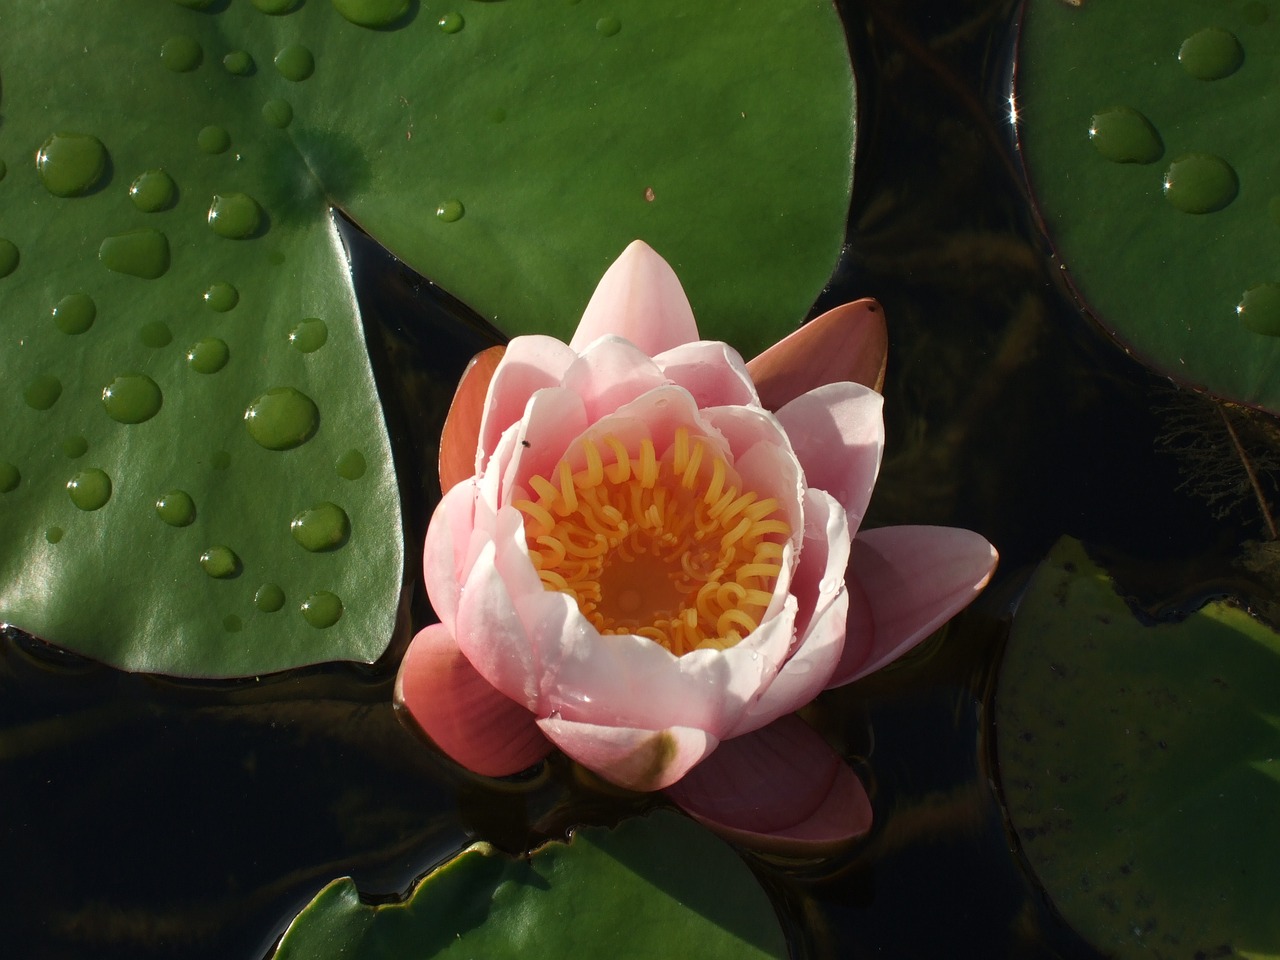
(146, 818)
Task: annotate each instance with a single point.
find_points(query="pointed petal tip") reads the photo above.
(639, 298)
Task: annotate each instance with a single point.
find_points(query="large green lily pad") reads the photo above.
(1144, 129)
(1141, 766)
(655, 887)
(179, 323)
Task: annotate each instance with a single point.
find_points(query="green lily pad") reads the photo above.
(1141, 766)
(655, 887)
(1143, 127)
(186, 367)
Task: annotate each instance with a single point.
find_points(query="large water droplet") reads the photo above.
(450, 211)
(176, 508)
(238, 63)
(278, 113)
(220, 562)
(181, 54)
(54, 534)
(452, 22)
(208, 355)
(351, 465)
(1200, 183)
(71, 164)
(156, 335)
(74, 313)
(234, 215)
(1259, 309)
(322, 609)
(89, 489)
(324, 526)
(213, 139)
(10, 476)
(309, 335)
(282, 418)
(8, 257)
(132, 398)
(372, 13)
(1211, 54)
(221, 297)
(295, 62)
(608, 26)
(42, 392)
(1124, 135)
(140, 253)
(269, 598)
(152, 191)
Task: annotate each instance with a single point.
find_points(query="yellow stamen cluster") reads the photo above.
(670, 548)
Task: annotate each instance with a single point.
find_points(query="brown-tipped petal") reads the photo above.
(781, 789)
(461, 433)
(464, 716)
(849, 342)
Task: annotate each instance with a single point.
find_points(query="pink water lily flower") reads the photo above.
(648, 555)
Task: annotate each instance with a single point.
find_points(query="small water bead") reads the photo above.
(282, 418)
(54, 534)
(176, 508)
(220, 562)
(221, 460)
(232, 623)
(208, 355)
(89, 489)
(8, 257)
(452, 22)
(238, 63)
(351, 465)
(608, 26)
(1211, 54)
(156, 335)
(140, 253)
(10, 476)
(71, 164)
(234, 215)
(269, 598)
(1259, 309)
(275, 7)
(42, 392)
(213, 139)
(1123, 135)
(74, 313)
(309, 335)
(152, 191)
(181, 54)
(322, 609)
(278, 113)
(221, 297)
(450, 211)
(322, 527)
(132, 398)
(74, 447)
(295, 62)
(372, 13)
(1200, 183)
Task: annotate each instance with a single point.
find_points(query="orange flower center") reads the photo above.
(671, 548)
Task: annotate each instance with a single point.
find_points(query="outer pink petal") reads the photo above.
(837, 432)
(634, 759)
(849, 342)
(444, 556)
(610, 373)
(710, 370)
(528, 365)
(460, 436)
(780, 789)
(464, 716)
(639, 298)
(915, 579)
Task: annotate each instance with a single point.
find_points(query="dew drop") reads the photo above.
(156, 335)
(269, 598)
(1200, 183)
(10, 476)
(220, 562)
(452, 22)
(221, 297)
(372, 13)
(74, 447)
(220, 460)
(282, 418)
(1259, 309)
(238, 63)
(208, 355)
(275, 7)
(450, 211)
(42, 392)
(89, 489)
(1123, 135)
(1211, 54)
(608, 26)
(54, 534)
(74, 313)
(322, 609)
(71, 164)
(295, 62)
(322, 527)
(232, 624)
(181, 54)
(140, 253)
(176, 508)
(152, 191)
(234, 215)
(278, 113)
(8, 257)
(309, 335)
(213, 139)
(131, 398)
(351, 465)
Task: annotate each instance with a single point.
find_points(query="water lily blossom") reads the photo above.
(649, 555)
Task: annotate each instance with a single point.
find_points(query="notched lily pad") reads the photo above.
(655, 887)
(1141, 766)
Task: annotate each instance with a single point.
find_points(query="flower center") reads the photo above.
(670, 548)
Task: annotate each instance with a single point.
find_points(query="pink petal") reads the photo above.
(460, 437)
(915, 579)
(837, 432)
(634, 759)
(445, 553)
(780, 789)
(849, 342)
(610, 373)
(639, 298)
(529, 364)
(463, 715)
(553, 419)
(710, 370)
